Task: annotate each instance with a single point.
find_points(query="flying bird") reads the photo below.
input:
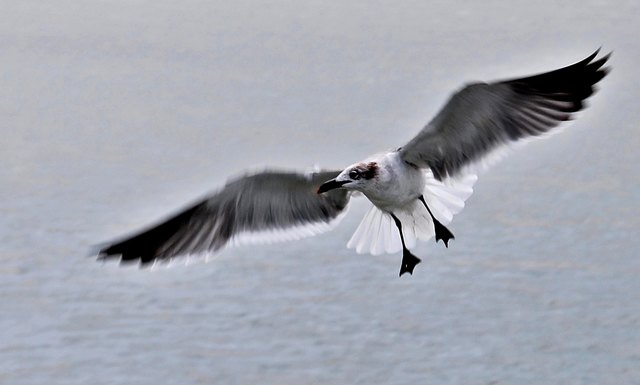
(415, 190)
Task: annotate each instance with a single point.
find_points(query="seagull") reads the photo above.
(415, 190)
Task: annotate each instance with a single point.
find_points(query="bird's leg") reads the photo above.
(409, 261)
(441, 231)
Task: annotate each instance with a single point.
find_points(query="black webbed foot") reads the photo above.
(409, 262)
(442, 233)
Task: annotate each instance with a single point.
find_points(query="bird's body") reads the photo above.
(415, 190)
(403, 196)
(394, 185)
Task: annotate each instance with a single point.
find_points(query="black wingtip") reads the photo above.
(595, 65)
(145, 247)
(589, 58)
(597, 51)
(105, 252)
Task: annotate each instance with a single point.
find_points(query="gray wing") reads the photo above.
(482, 117)
(268, 201)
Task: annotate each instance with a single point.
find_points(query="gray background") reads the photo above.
(114, 113)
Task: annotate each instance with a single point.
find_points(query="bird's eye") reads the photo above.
(353, 174)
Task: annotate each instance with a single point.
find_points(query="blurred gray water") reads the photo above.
(114, 113)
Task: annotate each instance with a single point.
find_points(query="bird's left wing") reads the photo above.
(483, 117)
(267, 206)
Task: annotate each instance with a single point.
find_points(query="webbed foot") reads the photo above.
(442, 232)
(409, 262)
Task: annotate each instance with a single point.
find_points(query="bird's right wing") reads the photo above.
(267, 206)
(483, 117)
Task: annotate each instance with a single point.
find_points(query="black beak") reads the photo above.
(330, 185)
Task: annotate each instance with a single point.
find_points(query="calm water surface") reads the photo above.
(115, 113)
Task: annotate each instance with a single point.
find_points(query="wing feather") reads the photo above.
(283, 204)
(482, 117)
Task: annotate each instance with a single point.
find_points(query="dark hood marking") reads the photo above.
(369, 170)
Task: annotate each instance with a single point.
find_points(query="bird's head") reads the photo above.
(355, 177)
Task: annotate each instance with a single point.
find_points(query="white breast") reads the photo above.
(396, 184)
(377, 233)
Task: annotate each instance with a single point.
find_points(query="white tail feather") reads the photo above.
(377, 232)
